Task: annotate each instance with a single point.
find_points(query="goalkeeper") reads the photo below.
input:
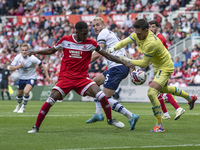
(153, 51)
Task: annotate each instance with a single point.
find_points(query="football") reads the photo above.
(15, 76)
(138, 77)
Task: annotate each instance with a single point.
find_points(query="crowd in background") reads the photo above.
(44, 34)
(68, 7)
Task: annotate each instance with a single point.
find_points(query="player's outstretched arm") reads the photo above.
(119, 45)
(46, 73)
(47, 51)
(143, 63)
(113, 58)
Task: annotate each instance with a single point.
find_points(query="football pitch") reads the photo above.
(64, 128)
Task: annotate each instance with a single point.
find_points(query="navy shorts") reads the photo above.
(23, 83)
(114, 76)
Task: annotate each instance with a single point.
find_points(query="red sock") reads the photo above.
(172, 101)
(162, 103)
(106, 107)
(43, 111)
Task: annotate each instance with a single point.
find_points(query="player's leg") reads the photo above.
(2, 90)
(6, 90)
(178, 92)
(118, 107)
(179, 110)
(19, 97)
(98, 116)
(2, 94)
(160, 80)
(113, 78)
(95, 91)
(19, 100)
(59, 91)
(25, 97)
(163, 107)
(28, 87)
(55, 95)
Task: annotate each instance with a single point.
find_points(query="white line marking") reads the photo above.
(11, 114)
(134, 147)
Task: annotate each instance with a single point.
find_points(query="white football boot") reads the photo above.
(17, 107)
(179, 112)
(22, 109)
(116, 123)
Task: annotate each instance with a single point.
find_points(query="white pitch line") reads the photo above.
(134, 147)
(71, 115)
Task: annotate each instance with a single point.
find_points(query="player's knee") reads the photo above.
(152, 93)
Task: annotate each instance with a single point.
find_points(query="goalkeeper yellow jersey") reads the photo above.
(152, 47)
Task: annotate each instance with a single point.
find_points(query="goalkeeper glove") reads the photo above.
(111, 49)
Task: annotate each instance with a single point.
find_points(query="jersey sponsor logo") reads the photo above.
(75, 54)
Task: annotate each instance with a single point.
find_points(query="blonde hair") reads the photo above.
(98, 18)
(24, 45)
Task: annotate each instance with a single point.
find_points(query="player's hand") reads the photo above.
(111, 49)
(31, 53)
(131, 66)
(49, 80)
(125, 59)
(22, 64)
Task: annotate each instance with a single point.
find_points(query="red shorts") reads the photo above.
(80, 86)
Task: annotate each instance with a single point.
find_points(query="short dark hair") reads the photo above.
(154, 22)
(81, 25)
(141, 23)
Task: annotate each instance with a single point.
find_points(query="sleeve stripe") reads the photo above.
(147, 55)
(101, 40)
(131, 38)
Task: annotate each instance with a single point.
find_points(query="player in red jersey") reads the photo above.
(77, 49)
(154, 26)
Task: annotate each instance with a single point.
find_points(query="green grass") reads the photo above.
(64, 128)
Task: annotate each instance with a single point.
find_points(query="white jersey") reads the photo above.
(29, 69)
(109, 38)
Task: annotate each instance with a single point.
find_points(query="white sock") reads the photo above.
(166, 114)
(159, 125)
(178, 108)
(189, 98)
(98, 107)
(116, 106)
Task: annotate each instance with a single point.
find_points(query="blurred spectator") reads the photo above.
(189, 76)
(194, 52)
(175, 25)
(187, 54)
(182, 83)
(127, 22)
(196, 80)
(174, 83)
(138, 6)
(155, 7)
(132, 50)
(174, 4)
(167, 25)
(177, 62)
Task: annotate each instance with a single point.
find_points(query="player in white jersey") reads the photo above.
(113, 76)
(27, 76)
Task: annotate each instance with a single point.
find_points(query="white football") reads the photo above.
(15, 76)
(138, 77)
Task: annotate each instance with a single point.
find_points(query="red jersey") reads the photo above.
(76, 57)
(163, 40)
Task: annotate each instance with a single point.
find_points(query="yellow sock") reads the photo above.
(152, 94)
(175, 91)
